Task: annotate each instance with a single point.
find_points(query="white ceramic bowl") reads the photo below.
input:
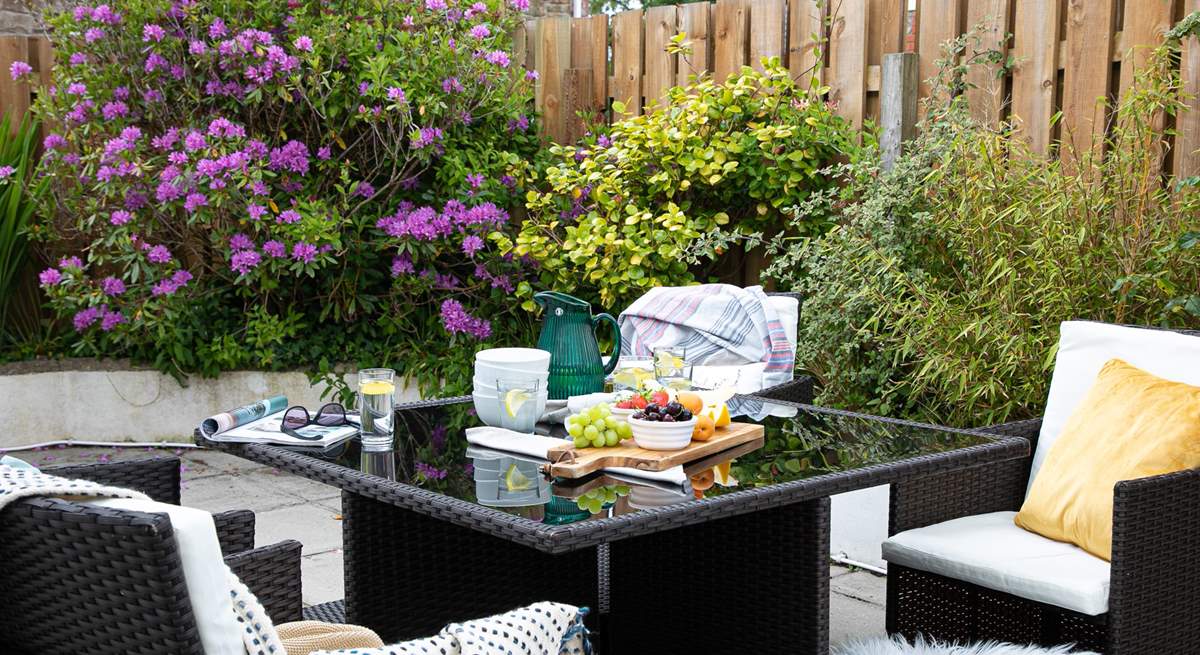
(489, 411)
(513, 359)
(623, 414)
(656, 435)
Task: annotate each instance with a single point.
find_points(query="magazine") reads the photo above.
(266, 430)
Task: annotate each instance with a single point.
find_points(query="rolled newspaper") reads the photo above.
(219, 423)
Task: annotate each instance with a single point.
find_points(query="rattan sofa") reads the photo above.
(1154, 592)
(77, 578)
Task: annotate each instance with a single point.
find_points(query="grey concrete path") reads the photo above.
(289, 507)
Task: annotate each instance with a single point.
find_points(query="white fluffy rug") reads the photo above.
(898, 646)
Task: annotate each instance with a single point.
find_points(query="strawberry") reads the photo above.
(638, 402)
(660, 398)
(626, 404)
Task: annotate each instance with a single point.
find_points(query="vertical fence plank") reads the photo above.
(806, 30)
(660, 67)
(898, 89)
(552, 58)
(847, 78)
(1087, 71)
(1142, 29)
(1187, 124)
(627, 46)
(577, 100)
(589, 51)
(14, 95)
(1035, 46)
(890, 16)
(940, 21)
(520, 40)
(729, 48)
(693, 20)
(766, 31)
(985, 91)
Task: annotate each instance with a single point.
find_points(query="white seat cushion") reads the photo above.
(991, 551)
(203, 571)
(1084, 347)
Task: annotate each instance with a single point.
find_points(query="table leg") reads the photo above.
(755, 582)
(407, 575)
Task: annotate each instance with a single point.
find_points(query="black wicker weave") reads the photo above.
(1154, 598)
(416, 559)
(84, 579)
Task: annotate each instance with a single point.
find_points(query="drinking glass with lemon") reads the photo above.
(518, 407)
(376, 404)
(671, 369)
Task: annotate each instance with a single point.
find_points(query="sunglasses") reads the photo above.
(297, 417)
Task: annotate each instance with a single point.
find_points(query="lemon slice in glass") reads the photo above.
(515, 480)
(376, 387)
(666, 359)
(514, 399)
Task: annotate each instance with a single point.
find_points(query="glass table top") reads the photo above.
(431, 452)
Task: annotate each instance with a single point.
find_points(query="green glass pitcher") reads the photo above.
(569, 335)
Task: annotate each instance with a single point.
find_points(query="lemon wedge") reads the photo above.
(666, 359)
(514, 399)
(376, 387)
(515, 480)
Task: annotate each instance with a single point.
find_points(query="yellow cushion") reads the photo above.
(1131, 424)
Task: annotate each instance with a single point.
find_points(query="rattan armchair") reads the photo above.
(77, 578)
(1154, 594)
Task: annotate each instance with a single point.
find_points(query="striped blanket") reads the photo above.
(716, 325)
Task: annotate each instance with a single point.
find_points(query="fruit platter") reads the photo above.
(664, 428)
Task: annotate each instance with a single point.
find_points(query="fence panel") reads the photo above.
(693, 21)
(732, 29)
(660, 66)
(1187, 124)
(766, 31)
(986, 93)
(627, 44)
(1035, 46)
(806, 29)
(847, 78)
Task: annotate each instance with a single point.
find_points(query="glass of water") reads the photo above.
(519, 406)
(671, 369)
(376, 405)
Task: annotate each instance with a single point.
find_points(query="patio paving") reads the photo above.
(289, 507)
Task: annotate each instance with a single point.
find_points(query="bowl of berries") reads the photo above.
(629, 403)
(662, 427)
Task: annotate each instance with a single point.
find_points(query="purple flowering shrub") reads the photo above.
(337, 167)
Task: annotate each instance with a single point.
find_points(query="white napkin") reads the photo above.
(673, 476)
(514, 442)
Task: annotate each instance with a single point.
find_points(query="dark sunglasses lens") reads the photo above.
(295, 418)
(331, 414)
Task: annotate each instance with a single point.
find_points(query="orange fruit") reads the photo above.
(704, 428)
(703, 480)
(692, 402)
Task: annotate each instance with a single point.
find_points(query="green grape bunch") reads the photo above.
(597, 427)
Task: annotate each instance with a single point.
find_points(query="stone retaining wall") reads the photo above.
(125, 404)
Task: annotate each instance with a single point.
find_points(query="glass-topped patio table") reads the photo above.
(730, 556)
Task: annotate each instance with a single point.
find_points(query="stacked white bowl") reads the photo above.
(509, 364)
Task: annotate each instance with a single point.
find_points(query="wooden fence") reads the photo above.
(1069, 54)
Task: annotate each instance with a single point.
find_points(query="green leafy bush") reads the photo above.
(18, 199)
(252, 184)
(626, 209)
(939, 294)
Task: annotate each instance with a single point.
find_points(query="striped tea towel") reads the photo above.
(716, 325)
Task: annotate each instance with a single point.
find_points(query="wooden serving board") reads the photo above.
(567, 461)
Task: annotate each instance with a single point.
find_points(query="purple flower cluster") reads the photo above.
(112, 286)
(291, 157)
(50, 277)
(169, 285)
(244, 261)
(456, 320)
(430, 472)
(19, 69)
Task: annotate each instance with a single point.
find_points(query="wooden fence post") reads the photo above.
(899, 88)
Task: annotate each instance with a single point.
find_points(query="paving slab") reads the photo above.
(861, 585)
(321, 528)
(851, 619)
(322, 575)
